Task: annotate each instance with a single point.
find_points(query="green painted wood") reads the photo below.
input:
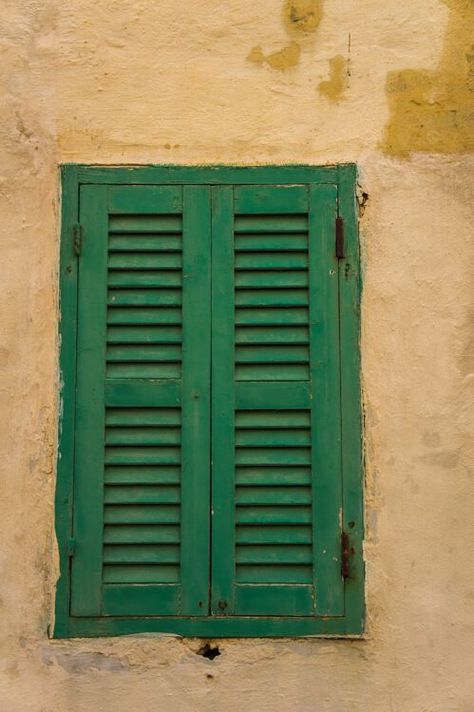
(195, 524)
(157, 224)
(145, 297)
(141, 395)
(86, 586)
(255, 242)
(140, 242)
(145, 200)
(67, 366)
(276, 599)
(222, 505)
(141, 574)
(351, 421)
(152, 239)
(275, 260)
(120, 599)
(271, 199)
(218, 627)
(136, 514)
(271, 297)
(146, 534)
(271, 574)
(276, 534)
(147, 315)
(325, 380)
(211, 175)
(274, 223)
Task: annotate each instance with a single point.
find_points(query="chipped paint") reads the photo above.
(433, 110)
(333, 89)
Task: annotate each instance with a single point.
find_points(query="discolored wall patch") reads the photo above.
(282, 59)
(433, 111)
(302, 15)
(333, 88)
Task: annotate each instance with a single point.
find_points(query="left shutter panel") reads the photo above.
(140, 511)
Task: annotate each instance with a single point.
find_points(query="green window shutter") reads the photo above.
(141, 493)
(209, 475)
(276, 484)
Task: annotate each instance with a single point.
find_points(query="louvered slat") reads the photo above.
(144, 291)
(271, 313)
(146, 444)
(273, 496)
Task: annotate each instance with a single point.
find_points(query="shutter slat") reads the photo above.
(146, 514)
(130, 242)
(145, 224)
(270, 317)
(145, 297)
(147, 315)
(142, 475)
(141, 554)
(166, 573)
(145, 435)
(142, 494)
(277, 573)
(275, 534)
(141, 534)
(271, 261)
(261, 242)
(146, 261)
(271, 297)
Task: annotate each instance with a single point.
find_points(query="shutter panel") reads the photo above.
(276, 472)
(142, 415)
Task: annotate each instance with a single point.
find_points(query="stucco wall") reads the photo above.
(386, 85)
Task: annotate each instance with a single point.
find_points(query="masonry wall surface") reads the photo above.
(386, 85)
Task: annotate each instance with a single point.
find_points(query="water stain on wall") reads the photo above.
(333, 88)
(284, 58)
(433, 111)
(300, 17)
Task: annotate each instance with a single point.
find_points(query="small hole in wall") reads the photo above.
(209, 651)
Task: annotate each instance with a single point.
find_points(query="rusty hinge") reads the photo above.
(340, 252)
(71, 547)
(346, 553)
(77, 238)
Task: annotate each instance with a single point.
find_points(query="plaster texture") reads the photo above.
(385, 85)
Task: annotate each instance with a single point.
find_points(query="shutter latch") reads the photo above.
(340, 251)
(346, 552)
(77, 238)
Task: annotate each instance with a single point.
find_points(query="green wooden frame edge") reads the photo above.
(352, 625)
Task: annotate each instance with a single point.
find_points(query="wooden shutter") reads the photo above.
(141, 497)
(276, 450)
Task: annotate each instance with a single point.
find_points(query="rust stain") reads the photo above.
(433, 111)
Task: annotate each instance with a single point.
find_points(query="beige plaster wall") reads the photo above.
(386, 85)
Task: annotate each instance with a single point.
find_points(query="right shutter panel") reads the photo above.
(276, 427)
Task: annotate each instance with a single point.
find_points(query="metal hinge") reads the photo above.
(340, 252)
(346, 553)
(71, 547)
(77, 238)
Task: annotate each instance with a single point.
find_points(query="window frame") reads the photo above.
(344, 176)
